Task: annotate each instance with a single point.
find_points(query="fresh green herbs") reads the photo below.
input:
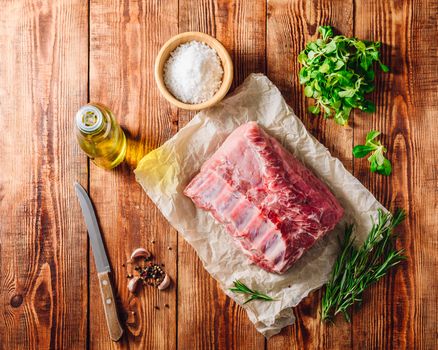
(337, 72)
(378, 162)
(357, 268)
(240, 287)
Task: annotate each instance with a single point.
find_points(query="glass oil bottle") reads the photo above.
(100, 136)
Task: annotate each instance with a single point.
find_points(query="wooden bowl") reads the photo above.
(182, 38)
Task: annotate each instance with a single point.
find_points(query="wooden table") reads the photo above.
(58, 55)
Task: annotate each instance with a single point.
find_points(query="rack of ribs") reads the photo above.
(270, 203)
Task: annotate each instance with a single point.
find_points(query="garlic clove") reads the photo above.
(165, 283)
(133, 284)
(140, 253)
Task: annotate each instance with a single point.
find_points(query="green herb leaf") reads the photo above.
(241, 288)
(373, 165)
(308, 91)
(326, 32)
(361, 151)
(383, 67)
(337, 72)
(314, 109)
(331, 47)
(357, 268)
(378, 162)
(339, 64)
(372, 135)
(385, 168)
(302, 57)
(368, 106)
(341, 117)
(347, 93)
(377, 156)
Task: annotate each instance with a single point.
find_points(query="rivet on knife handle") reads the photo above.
(109, 306)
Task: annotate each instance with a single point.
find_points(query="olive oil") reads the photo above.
(100, 136)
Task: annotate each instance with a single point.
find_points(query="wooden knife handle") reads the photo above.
(109, 306)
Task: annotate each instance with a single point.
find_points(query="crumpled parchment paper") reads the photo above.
(166, 171)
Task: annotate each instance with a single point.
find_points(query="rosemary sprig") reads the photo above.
(240, 287)
(357, 268)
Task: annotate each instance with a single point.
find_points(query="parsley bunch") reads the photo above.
(337, 72)
(378, 162)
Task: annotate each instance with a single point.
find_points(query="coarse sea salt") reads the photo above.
(193, 73)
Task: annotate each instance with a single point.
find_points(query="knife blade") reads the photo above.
(102, 263)
(100, 258)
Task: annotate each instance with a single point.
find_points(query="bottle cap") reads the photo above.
(89, 118)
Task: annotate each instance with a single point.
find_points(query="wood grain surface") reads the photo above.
(43, 242)
(58, 55)
(124, 40)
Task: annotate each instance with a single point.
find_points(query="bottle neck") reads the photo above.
(89, 120)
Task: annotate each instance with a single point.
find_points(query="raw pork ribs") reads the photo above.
(270, 203)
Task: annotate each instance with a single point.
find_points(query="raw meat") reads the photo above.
(270, 203)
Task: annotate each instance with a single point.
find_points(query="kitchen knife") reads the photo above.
(102, 264)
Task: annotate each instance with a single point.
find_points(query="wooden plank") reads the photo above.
(206, 317)
(125, 39)
(403, 307)
(43, 276)
(291, 24)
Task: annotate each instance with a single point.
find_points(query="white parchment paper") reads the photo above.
(166, 171)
